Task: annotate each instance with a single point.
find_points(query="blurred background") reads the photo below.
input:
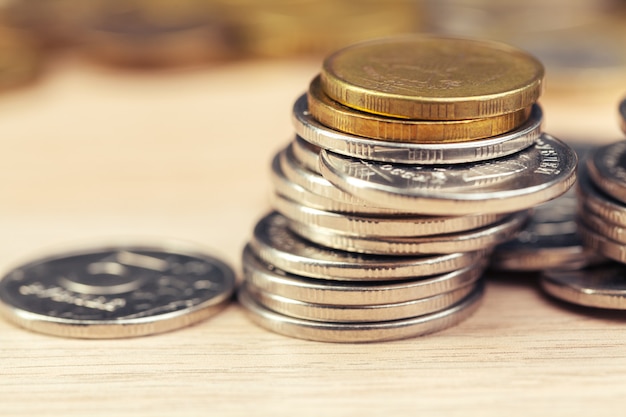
(160, 117)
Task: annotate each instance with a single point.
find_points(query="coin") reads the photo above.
(414, 153)
(596, 201)
(606, 229)
(345, 119)
(319, 185)
(275, 244)
(306, 154)
(600, 286)
(284, 187)
(602, 244)
(116, 291)
(474, 240)
(321, 291)
(357, 313)
(622, 112)
(607, 169)
(432, 78)
(508, 184)
(390, 226)
(360, 332)
(157, 33)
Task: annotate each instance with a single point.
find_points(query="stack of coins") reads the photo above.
(602, 226)
(550, 238)
(414, 157)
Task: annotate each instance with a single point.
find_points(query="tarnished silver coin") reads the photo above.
(360, 332)
(385, 226)
(607, 168)
(358, 313)
(320, 291)
(484, 238)
(286, 188)
(517, 182)
(600, 286)
(414, 153)
(275, 244)
(307, 154)
(593, 200)
(116, 291)
(622, 113)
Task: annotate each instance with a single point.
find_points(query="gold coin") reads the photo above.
(433, 78)
(345, 119)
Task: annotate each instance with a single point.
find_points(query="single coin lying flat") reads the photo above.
(116, 291)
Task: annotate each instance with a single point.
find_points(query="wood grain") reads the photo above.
(90, 153)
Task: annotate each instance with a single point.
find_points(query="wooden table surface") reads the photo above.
(90, 153)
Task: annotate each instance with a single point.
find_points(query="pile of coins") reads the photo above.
(550, 238)
(602, 226)
(414, 157)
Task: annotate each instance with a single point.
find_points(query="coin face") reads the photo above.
(316, 133)
(601, 286)
(516, 182)
(607, 168)
(115, 291)
(432, 78)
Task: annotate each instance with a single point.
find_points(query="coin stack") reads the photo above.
(602, 225)
(550, 238)
(414, 157)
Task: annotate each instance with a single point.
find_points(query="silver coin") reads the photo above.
(622, 112)
(276, 245)
(483, 238)
(607, 169)
(360, 332)
(414, 153)
(512, 183)
(317, 184)
(606, 229)
(116, 291)
(378, 226)
(307, 154)
(320, 291)
(357, 313)
(596, 201)
(600, 286)
(601, 244)
(283, 186)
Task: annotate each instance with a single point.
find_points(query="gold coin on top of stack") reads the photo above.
(480, 94)
(433, 78)
(349, 120)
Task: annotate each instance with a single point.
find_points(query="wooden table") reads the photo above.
(90, 153)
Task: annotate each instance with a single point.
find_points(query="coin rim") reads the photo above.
(509, 143)
(360, 332)
(345, 119)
